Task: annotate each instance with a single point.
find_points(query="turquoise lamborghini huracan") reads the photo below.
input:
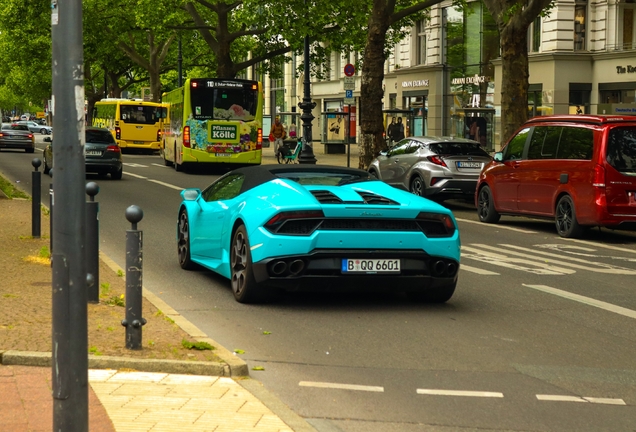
(310, 227)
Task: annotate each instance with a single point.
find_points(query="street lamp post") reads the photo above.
(307, 153)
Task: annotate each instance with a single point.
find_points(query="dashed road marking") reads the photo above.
(168, 185)
(160, 165)
(585, 300)
(135, 175)
(440, 392)
(341, 386)
(563, 398)
(135, 165)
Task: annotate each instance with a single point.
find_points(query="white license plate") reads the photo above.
(93, 153)
(223, 154)
(370, 265)
(468, 164)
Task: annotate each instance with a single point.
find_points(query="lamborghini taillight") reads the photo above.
(300, 222)
(436, 224)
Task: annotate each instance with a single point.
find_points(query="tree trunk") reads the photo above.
(515, 74)
(371, 119)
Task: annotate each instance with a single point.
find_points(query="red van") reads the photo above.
(579, 170)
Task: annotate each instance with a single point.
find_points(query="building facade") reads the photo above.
(445, 78)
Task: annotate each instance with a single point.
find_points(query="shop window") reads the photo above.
(580, 11)
(579, 98)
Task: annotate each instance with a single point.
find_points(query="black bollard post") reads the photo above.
(134, 249)
(92, 243)
(36, 185)
(51, 214)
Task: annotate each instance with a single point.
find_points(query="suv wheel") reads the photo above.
(486, 206)
(417, 185)
(565, 218)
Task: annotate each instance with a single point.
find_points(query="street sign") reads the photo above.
(349, 99)
(349, 69)
(349, 83)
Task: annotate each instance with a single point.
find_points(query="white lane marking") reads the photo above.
(438, 392)
(341, 386)
(607, 401)
(585, 300)
(562, 398)
(501, 260)
(576, 250)
(160, 165)
(616, 248)
(477, 270)
(135, 165)
(167, 185)
(588, 265)
(497, 226)
(135, 175)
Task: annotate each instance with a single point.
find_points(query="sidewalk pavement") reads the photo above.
(131, 401)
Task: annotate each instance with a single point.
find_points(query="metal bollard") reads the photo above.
(51, 214)
(92, 243)
(36, 185)
(134, 248)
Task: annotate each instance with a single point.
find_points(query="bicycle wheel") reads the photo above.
(279, 157)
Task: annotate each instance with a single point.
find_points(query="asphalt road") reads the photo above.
(538, 337)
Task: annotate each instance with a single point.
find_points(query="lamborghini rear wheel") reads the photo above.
(183, 242)
(244, 286)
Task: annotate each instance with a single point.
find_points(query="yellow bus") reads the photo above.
(134, 123)
(213, 121)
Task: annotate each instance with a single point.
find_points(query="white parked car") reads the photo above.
(35, 127)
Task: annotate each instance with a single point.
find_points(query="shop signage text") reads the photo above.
(625, 69)
(477, 79)
(415, 83)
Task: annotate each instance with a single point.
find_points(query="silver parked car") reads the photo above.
(36, 127)
(433, 167)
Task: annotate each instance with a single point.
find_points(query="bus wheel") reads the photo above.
(177, 166)
(166, 162)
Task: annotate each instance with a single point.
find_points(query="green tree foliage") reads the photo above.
(25, 49)
(513, 18)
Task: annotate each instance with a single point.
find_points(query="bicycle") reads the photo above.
(285, 155)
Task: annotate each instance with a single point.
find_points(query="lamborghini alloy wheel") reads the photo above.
(183, 242)
(244, 285)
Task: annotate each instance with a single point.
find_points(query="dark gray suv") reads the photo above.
(433, 167)
(102, 154)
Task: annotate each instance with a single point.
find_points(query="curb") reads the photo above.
(44, 359)
(233, 366)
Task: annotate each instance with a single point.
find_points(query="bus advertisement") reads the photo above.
(133, 122)
(211, 120)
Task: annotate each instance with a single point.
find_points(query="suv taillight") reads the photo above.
(113, 148)
(437, 161)
(186, 136)
(117, 133)
(599, 177)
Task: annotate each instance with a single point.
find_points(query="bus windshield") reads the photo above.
(138, 114)
(224, 101)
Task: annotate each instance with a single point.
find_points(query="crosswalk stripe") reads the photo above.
(483, 272)
(546, 262)
(537, 267)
